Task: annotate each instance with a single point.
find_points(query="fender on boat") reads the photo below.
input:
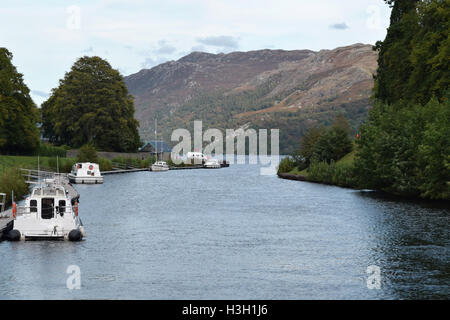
(13, 235)
(75, 235)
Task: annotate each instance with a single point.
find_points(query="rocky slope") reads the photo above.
(289, 90)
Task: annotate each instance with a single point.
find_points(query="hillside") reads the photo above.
(289, 90)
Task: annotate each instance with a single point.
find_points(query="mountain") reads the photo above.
(289, 90)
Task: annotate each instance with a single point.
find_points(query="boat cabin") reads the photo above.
(85, 172)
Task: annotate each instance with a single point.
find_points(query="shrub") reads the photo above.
(133, 162)
(48, 150)
(286, 165)
(105, 164)
(321, 171)
(12, 180)
(87, 153)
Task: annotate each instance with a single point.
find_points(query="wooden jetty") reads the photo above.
(124, 171)
(6, 218)
(196, 166)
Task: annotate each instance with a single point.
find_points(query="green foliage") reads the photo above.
(324, 144)
(48, 150)
(340, 174)
(170, 163)
(104, 164)
(413, 62)
(286, 165)
(64, 165)
(404, 149)
(18, 113)
(134, 162)
(87, 153)
(308, 143)
(321, 171)
(92, 105)
(405, 146)
(12, 180)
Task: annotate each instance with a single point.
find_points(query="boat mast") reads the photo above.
(156, 138)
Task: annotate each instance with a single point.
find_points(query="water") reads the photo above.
(234, 234)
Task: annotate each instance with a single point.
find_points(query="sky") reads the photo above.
(47, 36)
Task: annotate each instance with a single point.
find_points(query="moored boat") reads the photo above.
(85, 172)
(48, 214)
(212, 164)
(159, 166)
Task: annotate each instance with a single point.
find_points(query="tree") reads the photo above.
(404, 147)
(406, 150)
(92, 105)
(308, 142)
(333, 143)
(87, 153)
(413, 63)
(18, 113)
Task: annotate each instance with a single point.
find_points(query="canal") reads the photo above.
(235, 234)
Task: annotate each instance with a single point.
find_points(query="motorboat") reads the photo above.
(48, 214)
(212, 164)
(159, 166)
(85, 172)
(198, 157)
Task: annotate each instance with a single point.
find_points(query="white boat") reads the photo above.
(212, 164)
(198, 157)
(160, 166)
(85, 172)
(48, 214)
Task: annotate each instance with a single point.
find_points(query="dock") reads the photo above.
(124, 171)
(35, 176)
(6, 222)
(197, 166)
(6, 218)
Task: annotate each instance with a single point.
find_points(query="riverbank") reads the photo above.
(340, 173)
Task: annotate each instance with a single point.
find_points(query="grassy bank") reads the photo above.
(340, 173)
(31, 162)
(12, 180)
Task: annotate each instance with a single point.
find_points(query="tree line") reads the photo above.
(404, 145)
(91, 105)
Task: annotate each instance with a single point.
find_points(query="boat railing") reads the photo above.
(33, 210)
(39, 176)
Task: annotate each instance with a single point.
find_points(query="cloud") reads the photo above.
(198, 48)
(220, 41)
(40, 93)
(339, 26)
(150, 62)
(88, 50)
(166, 49)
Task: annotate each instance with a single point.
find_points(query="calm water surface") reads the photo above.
(234, 234)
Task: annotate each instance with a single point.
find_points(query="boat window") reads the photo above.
(37, 192)
(49, 192)
(33, 205)
(62, 206)
(47, 208)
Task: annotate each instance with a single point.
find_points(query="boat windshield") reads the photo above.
(48, 191)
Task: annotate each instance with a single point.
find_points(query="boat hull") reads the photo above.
(85, 180)
(33, 229)
(159, 168)
(213, 166)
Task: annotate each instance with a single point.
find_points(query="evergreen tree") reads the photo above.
(92, 105)
(18, 113)
(405, 147)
